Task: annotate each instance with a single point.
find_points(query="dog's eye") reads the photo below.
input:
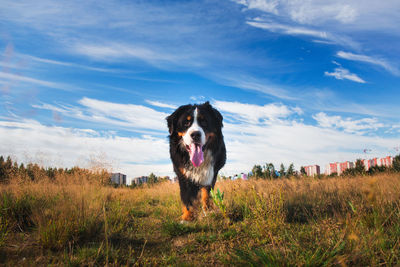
(188, 121)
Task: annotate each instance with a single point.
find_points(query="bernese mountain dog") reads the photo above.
(197, 152)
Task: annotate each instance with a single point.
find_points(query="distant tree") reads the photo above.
(282, 172)
(290, 170)
(376, 169)
(359, 168)
(396, 163)
(152, 179)
(257, 171)
(265, 171)
(274, 173)
(303, 171)
(2, 169)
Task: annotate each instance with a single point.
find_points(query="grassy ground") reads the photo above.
(335, 221)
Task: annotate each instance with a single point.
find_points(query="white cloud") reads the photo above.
(249, 140)
(341, 73)
(125, 116)
(248, 82)
(11, 79)
(266, 6)
(295, 30)
(348, 125)
(289, 141)
(314, 12)
(160, 104)
(307, 12)
(255, 114)
(372, 60)
(119, 51)
(287, 29)
(70, 147)
(69, 64)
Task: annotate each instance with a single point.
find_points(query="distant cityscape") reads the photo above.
(340, 167)
(121, 179)
(311, 170)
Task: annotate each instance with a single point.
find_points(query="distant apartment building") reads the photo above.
(331, 168)
(386, 161)
(312, 170)
(118, 178)
(140, 180)
(339, 168)
(344, 166)
(367, 163)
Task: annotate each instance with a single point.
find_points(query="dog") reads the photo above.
(197, 151)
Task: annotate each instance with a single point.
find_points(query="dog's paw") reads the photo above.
(184, 222)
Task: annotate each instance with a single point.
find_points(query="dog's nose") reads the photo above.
(196, 136)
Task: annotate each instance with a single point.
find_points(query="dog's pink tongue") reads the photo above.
(196, 155)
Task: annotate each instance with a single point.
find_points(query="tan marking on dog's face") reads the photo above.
(188, 118)
(181, 134)
(182, 170)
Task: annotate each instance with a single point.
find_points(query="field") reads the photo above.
(305, 222)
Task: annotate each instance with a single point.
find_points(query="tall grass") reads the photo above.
(313, 222)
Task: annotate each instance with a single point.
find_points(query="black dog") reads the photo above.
(197, 151)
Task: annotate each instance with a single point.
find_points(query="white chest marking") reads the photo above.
(203, 174)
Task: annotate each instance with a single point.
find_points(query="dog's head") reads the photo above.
(195, 126)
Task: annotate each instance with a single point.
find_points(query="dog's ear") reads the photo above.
(173, 118)
(215, 112)
(170, 121)
(218, 116)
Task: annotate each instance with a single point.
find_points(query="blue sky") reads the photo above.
(90, 83)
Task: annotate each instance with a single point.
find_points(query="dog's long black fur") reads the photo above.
(180, 157)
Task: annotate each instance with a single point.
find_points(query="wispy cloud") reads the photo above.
(255, 114)
(129, 117)
(341, 73)
(29, 137)
(122, 52)
(249, 139)
(13, 78)
(248, 82)
(70, 64)
(313, 12)
(371, 60)
(349, 125)
(266, 6)
(325, 37)
(287, 140)
(160, 104)
(287, 29)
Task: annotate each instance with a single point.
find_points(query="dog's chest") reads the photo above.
(203, 174)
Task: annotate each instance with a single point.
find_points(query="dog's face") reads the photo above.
(195, 126)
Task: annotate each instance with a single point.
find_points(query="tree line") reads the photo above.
(268, 170)
(10, 170)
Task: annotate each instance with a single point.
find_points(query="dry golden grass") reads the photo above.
(79, 221)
